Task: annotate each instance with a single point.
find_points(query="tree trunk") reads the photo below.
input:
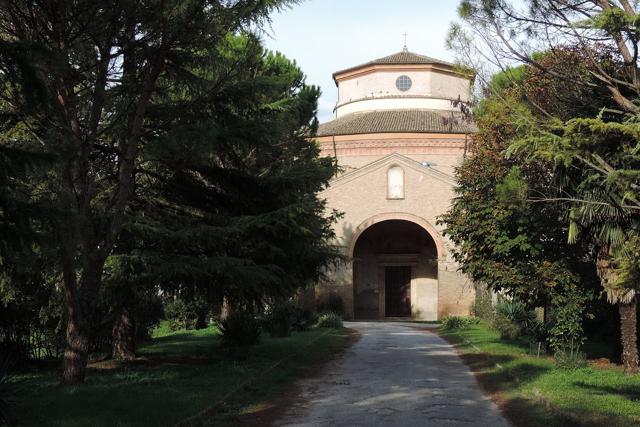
(124, 340)
(628, 319)
(80, 303)
(77, 349)
(225, 310)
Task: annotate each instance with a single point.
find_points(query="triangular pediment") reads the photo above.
(385, 162)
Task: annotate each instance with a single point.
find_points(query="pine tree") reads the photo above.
(82, 78)
(228, 207)
(233, 212)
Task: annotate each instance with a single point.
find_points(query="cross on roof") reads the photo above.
(405, 41)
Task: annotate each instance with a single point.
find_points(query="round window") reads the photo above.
(403, 83)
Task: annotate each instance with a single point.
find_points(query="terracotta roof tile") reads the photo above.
(395, 121)
(406, 57)
(400, 58)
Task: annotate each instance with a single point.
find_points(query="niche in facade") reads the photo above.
(395, 183)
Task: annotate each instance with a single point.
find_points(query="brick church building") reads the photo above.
(397, 135)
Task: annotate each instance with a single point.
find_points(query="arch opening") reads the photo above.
(395, 272)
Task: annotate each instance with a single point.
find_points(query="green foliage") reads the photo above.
(583, 99)
(465, 9)
(625, 276)
(614, 20)
(502, 239)
(513, 189)
(506, 234)
(186, 314)
(240, 329)
(330, 320)
(597, 162)
(127, 284)
(233, 210)
(483, 307)
(514, 319)
(225, 205)
(570, 357)
(592, 396)
(507, 79)
(280, 318)
(566, 334)
(31, 315)
(537, 332)
(163, 119)
(458, 322)
(306, 317)
(508, 328)
(331, 303)
(516, 311)
(579, 94)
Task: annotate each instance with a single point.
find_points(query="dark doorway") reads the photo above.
(397, 291)
(394, 243)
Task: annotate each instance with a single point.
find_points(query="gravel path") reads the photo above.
(395, 375)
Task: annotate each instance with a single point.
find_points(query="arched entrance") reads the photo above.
(395, 271)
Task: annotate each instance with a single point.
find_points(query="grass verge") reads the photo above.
(177, 376)
(534, 392)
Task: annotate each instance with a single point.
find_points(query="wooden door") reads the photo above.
(397, 291)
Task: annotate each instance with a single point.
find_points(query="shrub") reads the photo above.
(517, 312)
(280, 318)
(186, 314)
(537, 334)
(331, 303)
(566, 332)
(285, 317)
(483, 308)
(536, 330)
(451, 323)
(240, 328)
(305, 318)
(570, 358)
(176, 313)
(508, 329)
(513, 319)
(32, 319)
(148, 313)
(330, 320)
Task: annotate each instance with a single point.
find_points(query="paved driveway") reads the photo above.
(395, 375)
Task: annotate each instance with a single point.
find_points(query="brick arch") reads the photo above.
(426, 225)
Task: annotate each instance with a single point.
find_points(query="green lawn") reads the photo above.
(179, 375)
(533, 392)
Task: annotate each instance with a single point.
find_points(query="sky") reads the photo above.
(324, 36)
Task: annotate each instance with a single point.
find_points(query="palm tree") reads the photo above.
(615, 230)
